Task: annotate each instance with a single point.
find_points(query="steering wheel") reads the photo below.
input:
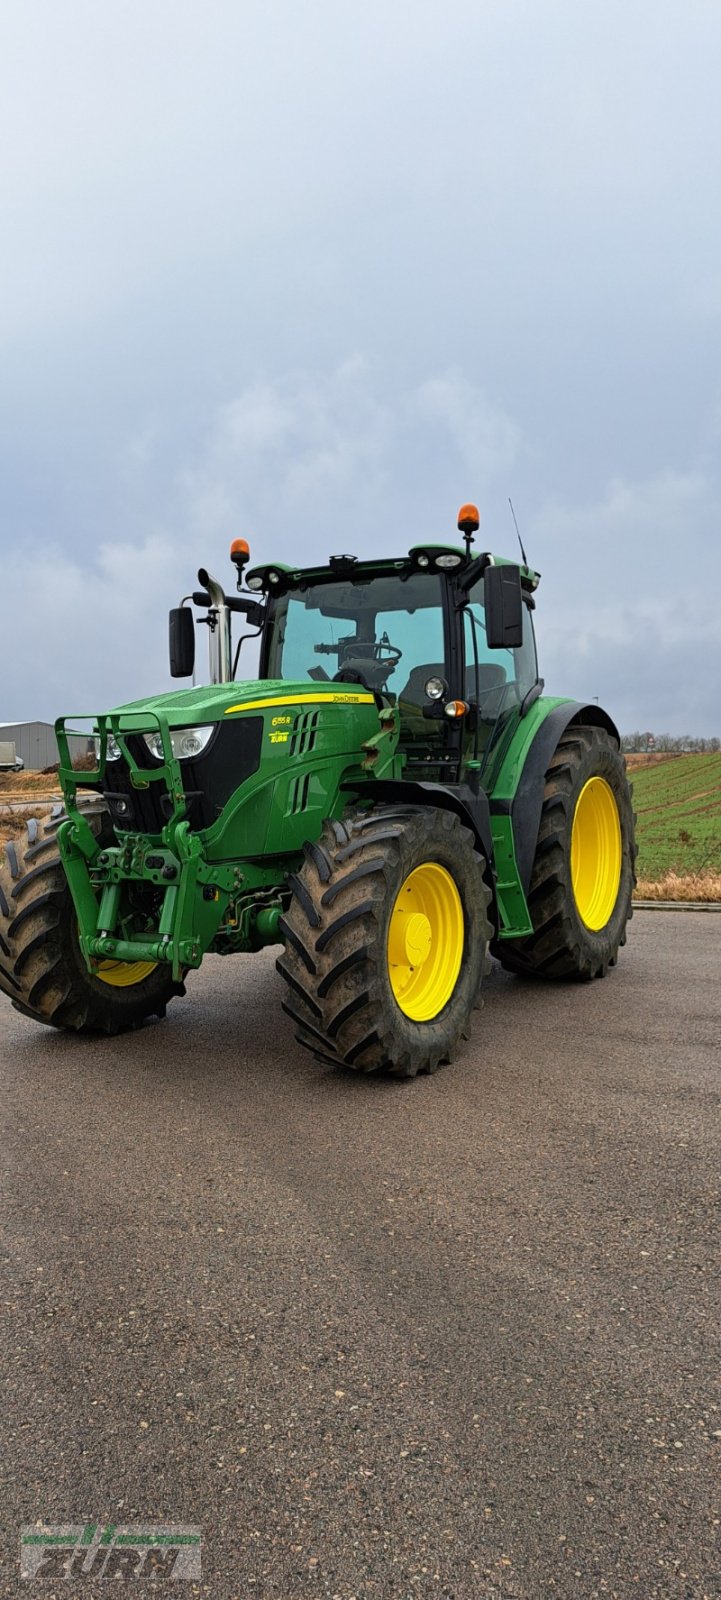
(363, 665)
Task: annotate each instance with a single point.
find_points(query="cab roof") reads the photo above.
(274, 577)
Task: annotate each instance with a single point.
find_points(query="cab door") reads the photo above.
(495, 682)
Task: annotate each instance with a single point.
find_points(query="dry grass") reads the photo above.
(648, 758)
(681, 886)
(10, 830)
(22, 785)
(13, 821)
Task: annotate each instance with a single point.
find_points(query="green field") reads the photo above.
(678, 807)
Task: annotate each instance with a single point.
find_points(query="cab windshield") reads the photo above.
(386, 632)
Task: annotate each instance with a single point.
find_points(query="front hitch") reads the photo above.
(99, 874)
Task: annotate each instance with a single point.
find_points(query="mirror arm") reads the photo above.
(470, 575)
(252, 609)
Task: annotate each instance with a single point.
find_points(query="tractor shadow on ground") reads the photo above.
(231, 1034)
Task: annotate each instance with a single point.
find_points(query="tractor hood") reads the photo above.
(182, 756)
(210, 702)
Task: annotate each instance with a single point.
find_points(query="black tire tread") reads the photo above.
(334, 962)
(42, 970)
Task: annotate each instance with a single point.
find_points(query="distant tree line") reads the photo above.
(662, 742)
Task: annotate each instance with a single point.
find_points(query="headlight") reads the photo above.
(184, 742)
(448, 561)
(113, 750)
(435, 688)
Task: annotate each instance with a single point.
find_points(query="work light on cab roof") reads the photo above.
(389, 796)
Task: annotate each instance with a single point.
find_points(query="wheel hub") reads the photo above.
(409, 939)
(596, 853)
(425, 942)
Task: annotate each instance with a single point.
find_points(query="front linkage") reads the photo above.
(194, 901)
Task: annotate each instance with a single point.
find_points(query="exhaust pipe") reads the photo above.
(219, 626)
(220, 609)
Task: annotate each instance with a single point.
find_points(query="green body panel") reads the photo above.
(277, 810)
(514, 915)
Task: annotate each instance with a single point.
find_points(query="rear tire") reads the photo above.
(41, 964)
(584, 868)
(377, 887)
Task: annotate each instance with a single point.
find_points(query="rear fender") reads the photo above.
(527, 802)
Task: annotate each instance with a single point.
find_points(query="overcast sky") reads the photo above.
(314, 273)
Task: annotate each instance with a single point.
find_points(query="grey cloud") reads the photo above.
(318, 274)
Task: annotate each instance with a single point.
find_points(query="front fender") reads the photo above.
(472, 808)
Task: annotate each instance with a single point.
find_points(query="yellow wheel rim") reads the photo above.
(425, 942)
(122, 974)
(596, 853)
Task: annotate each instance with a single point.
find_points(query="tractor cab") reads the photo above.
(413, 636)
(443, 635)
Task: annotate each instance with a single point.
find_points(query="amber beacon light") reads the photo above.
(469, 520)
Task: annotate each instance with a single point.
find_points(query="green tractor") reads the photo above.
(391, 799)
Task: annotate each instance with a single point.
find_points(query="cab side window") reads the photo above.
(504, 676)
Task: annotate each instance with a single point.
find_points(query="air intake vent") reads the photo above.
(298, 795)
(304, 733)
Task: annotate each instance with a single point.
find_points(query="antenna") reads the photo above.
(518, 531)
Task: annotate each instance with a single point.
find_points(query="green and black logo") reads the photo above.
(93, 1550)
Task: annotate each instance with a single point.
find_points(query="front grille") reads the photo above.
(134, 810)
(232, 756)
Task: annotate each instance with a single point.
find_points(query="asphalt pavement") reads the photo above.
(456, 1337)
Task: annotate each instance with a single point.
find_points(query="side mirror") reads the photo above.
(181, 638)
(504, 607)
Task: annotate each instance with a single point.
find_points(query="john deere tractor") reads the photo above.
(391, 799)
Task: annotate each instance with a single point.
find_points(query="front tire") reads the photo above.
(386, 940)
(41, 964)
(583, 876)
